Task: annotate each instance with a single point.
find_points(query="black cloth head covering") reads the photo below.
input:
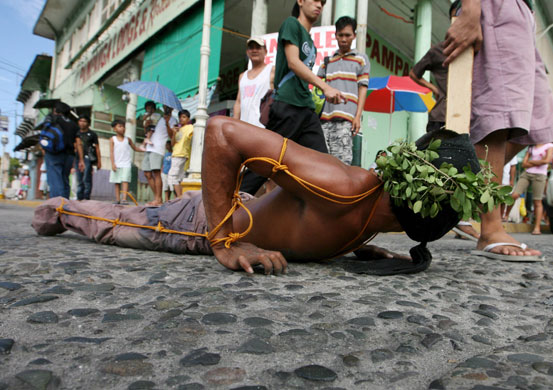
(455, 149)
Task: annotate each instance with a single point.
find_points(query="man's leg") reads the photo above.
(156, 175)
(68, 164)
(54, 166)
(150, 179)
(339, 140)
(125, 190)
(87, 178)
(80, 182)
(494, 148)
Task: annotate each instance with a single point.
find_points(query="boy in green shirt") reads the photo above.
(292, 114)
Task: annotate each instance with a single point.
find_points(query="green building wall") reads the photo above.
(173, 57)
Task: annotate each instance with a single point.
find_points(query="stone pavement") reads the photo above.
(79, 315)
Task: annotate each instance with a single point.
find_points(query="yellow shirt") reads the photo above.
(183, 142)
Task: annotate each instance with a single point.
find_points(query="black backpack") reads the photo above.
(51, 138)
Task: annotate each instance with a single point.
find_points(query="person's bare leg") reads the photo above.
(151, 181)
(538, 213)
(167, 195)
(495, 149)
(158, 187)
(178, 190)
(125, 190)
(117, 192)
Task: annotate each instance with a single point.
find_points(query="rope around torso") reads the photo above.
(237, 203)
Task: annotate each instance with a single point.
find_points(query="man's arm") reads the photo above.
(79, 146)
(464, 32)
(236, 108)
(362, 96)
(422, 82)
(303, 72)
(272, 78)
(227, 144)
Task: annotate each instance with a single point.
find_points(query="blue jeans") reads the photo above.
(58, 168)
(84, 180)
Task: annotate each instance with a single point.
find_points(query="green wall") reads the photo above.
(173, 56)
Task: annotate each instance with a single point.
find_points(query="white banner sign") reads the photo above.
(323, 38)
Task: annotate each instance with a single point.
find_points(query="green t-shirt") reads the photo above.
(294, 91)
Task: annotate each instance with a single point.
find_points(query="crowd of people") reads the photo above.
(507, 116)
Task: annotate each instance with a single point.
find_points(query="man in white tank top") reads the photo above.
(253, 83)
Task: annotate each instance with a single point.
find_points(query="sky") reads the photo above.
(19, 48)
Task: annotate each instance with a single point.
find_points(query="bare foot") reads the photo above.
(153, 203)
(468, 229)
(502, 236)
(536, 232)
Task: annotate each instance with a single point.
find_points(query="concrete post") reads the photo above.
(201, 115)
(130, 126)
(344, 8)
(423, 41)
(326, 17)
(259, 17)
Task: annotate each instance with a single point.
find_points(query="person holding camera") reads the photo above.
(91, 157)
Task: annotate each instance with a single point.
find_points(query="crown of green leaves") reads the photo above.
(410, 178)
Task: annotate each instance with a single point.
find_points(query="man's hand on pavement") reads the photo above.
(243, 255)
(373, 252)
(464, 32)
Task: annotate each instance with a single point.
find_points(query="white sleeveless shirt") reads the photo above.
(122, 153)
(251, 92)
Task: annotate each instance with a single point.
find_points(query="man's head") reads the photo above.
(84, 122)
(256, 50)
(118, 126)
(150, 107)
(455, 149)
(60, 108)
(345, 33)
(184, 117)
(310, 9)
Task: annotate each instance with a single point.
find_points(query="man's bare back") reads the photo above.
(290, 219)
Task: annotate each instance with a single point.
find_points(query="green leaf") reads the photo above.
(408, 192)
(485, 197)
(435, 144)
(409, 178)
(417, 206)
(434, 210)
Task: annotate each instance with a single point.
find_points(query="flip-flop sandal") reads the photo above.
(486, 252)
(464, 234)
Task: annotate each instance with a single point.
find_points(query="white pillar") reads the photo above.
(362, 15)
(423, 41)
(130, 126)
(326, 17)
(259, 17)
(201, 115)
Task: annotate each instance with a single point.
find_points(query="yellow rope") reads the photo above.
(237, 203)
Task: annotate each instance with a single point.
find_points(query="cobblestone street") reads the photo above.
(79, 315)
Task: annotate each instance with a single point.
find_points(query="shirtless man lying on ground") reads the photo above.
(289, 223)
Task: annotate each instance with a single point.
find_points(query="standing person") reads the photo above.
(91, 157)
(43, 184)
(25, 183)
(292, 113)
(535, 163)
(149, 121)
(507, 112)
(153, 159)
(166, 187)
(121, 160)
(347, 71)
(433, 61)
(253, 84)
(59, 164)
(182, 148)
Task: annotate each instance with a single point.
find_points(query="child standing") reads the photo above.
(180, 160)
(121, 160)
(166, 187)
(25, 183)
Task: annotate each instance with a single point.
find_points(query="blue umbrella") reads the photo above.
(154, 91)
